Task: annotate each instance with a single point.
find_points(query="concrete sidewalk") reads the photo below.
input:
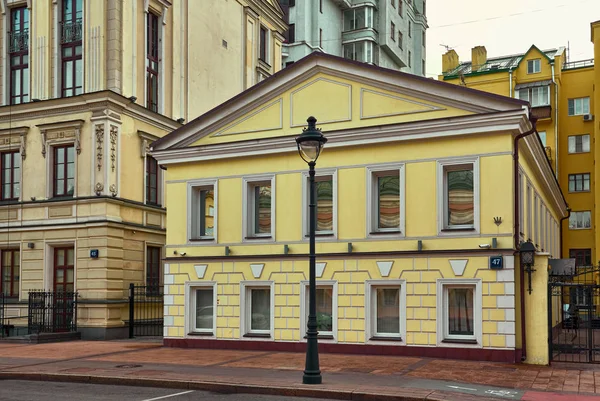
(349, 377)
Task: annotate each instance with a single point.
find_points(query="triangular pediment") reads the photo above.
(341, 94)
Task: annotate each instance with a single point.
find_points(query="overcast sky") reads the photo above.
(508, 27)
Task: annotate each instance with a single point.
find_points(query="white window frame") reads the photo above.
(305, 213)
(374, 172)
(445, 339)
(582, 136)
(574, 101)
(245, 309)
(190, 315)
(574, 214)
(529, 96)
(371, 314)
(191, 187)
(248, 232)
(534, 63)
(443, 166)
(304, 297)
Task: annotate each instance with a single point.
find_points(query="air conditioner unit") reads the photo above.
(588, 117)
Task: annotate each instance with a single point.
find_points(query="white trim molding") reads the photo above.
(246, 285)
(305, 201)
(190, 306)
(248, 208)
(372, 226)
(443, 166)
(304, 287)
(443, 339)
(371, 314)
(191, 187)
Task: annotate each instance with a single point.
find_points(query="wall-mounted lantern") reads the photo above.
(527, 252)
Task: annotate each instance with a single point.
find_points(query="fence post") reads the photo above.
(131, 306)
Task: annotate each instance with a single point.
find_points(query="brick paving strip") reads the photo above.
(346, 377)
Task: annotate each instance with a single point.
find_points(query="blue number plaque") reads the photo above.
(496, 262)
(93, 253)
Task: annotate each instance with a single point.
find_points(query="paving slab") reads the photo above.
(344, 376)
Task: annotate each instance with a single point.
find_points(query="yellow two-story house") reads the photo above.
(418, 193)
(85, 87)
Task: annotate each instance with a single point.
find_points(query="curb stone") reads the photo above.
(226, 388)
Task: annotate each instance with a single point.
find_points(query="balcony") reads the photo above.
(71, 31)
(542, 112)
(578, 64)
(18, 41)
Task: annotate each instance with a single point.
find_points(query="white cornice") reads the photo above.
(26, 112)
(510, 121)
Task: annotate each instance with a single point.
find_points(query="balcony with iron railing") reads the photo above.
(578, 64)
(18, 41)
(71, 31)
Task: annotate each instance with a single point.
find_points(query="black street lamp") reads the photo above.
(527, 252)
(310, 144)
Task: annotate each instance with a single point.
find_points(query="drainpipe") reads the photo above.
(517, 228)
(561, 230)
(510, 86)
(555, 122)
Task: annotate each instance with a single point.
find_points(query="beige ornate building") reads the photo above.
(85, 87)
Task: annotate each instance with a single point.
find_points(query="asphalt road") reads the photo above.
(16, 390)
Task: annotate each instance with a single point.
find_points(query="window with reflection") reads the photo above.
(71, 48)
(18, 49)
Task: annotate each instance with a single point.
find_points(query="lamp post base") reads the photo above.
(312, 377)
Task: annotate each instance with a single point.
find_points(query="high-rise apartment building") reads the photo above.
(387, 33)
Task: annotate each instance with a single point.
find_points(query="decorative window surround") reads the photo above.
(371, 317)
(373, 172)
(443, 339)
(245, 308)
(304, 298)
(61, 133)
(443, 165)
(191, 186)
(190, 309)
(14, 138)
(305, 201)
(55, 134)
(248, 209)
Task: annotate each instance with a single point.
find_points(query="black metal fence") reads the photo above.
(2, 316)
(574, 321)
(52, 312)
(146, 310)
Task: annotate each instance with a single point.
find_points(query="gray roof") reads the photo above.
(494, 64)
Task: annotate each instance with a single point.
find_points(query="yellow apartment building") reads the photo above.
(562, 96)
(85, 87)
(417, 218)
